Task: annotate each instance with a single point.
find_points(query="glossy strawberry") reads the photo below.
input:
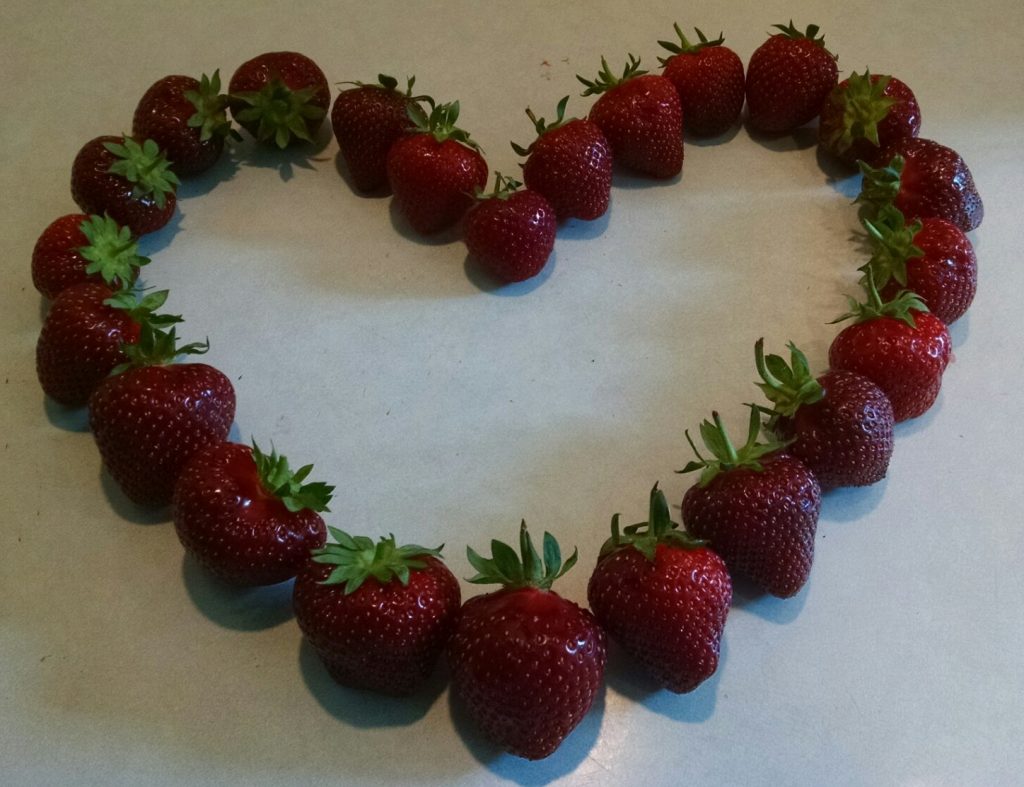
(435, 171)
(245, 516)
(663, 597)
(709, 79)
(840, 425)
(641, 117)
(379, 616)
(279, 97)
(367, 121)
(127, 180)
(788, 79)
(525, 662)
(757, 507)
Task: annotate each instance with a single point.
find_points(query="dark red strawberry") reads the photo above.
(839, 425)
(155, 415)
(279, 97)
(788, 79)
(510, 232)
(709, 79)
(367, 121)
(526, 663)
(864, 115)
(245, 516)
(641, 117)
(187, 118)
(435, 171)
(379, 616)
(923, 179)
(663, 597)
(570, 163)
(757, 507)
(129, 181)
(77, 248)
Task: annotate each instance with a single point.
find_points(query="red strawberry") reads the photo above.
(367, 121)
(435, 171)
(77, 248)
(129, 181)
(865, 114)
(839, 425)
(788, 79)
(570, 163)
(379, 616)
(279, 97)
(899, 346)
(709, 79)
(186, 117)
(924, 179)
(245, 516)
(526, 663)
(756, 507)
(641, 117)
(511, 231)
(154, 416)
(663, 596)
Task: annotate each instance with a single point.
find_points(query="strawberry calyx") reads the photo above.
(504, 188)
(684, 47)
(606, 80)
(864, 106)
(526, 570)
(810, 34)
(211, 105)
(357, 558)
(542, 126)
(893, 240)
(645, 536)
(900, 307)
(385, 82)
(156, 346)
(280, 113)
(440, 122)
(145, 167)
(786, 386)
(724, 455)
(880, 185)
(279, 480)
(112, 252)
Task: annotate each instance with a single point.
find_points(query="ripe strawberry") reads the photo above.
(709, 79)
(923, 179)
(367, 121)
(864, 115)
(155, 415)
(641, 117)
(839, 425)
(279, 97)
(511, 231)
(77, 248)
(130, 182)
(435, 171)
(526, 663)
(663, 597)
(379, 616)
(187, 118)
(245, 516)
(757, 507)
(570, 163)
(788, 79)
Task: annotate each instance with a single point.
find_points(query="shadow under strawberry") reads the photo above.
(485, 283)
(125, 508)
(803, 138)
(233, 607)
(851, 504)
(751, 598)
(578, 229)
(67, 419)
(401, 225)
(341, 167)
(838, 176)
(152, 243)
(298, 156)
(710, 142)
(227, 166)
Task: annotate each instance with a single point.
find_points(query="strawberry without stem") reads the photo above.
(709, 79)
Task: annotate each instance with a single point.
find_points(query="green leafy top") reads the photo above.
(357, 558)
(145, 167)
(606, 80)
(810, 34)
(899, 307)
(156, 346)
(893, 240)
(787, 386)
(684, 47)
(279, 113)
(386, 82)
(504, 188)
(864, 105)
(880, 185)
(440, 123)
(542, 126)
(506, 568)
(724, 455)
(645, 536)
(277, 478)
(112, 252)
(211, 116)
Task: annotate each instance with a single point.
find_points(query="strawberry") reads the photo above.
(756, 506)
(379, 616)
(898, 345)
(152, 416)
(187, 118)
(511, 231)
(131, 182)
(865, 114)
(570, 163)
(923, 179)
(709, 79)
(367, 121)
(931, 257)
(77, 248)
(641, 117)
(525, 662)
(663, 597)
(245, 516)
(788, 79)
(435, 171)
(839, 425)
(279, 97)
